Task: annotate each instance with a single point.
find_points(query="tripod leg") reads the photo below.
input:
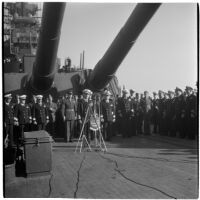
(81, 135)
(81, 144)
(103, 141)
(101, 137)
(96, 141)
(87, 143)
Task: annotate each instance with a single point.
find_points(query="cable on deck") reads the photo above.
(150, 158)
(50, 188)
(119, 172)
(78, 175)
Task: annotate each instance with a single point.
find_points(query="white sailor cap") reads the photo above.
(8, 96)
(22, 96)
(87, 91)
(107, 93)
(39, 96)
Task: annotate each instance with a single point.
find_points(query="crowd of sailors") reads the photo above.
(172, 113)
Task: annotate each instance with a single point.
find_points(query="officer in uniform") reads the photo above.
(124, 108)
(9, 121)
(147, 112)
(40, 114)
(69, 116)
(22, 114)
(155, 112)
(165, 117)
(59, 123)
(85, 106)
(108, 116)
(191, 112)
(132, 94)
(138, 114)
(33, 127)
(180, 106)
(133, 113)
(161, 111)
(51, 109)
(76, 126)
(171, 114)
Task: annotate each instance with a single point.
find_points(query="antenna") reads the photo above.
(83, 59)
(80, 60)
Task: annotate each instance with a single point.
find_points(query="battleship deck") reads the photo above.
(138, 167)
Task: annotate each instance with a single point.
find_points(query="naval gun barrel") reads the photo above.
(44, 67)
(109, 63)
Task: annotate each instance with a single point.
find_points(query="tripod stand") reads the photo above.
(98, 138)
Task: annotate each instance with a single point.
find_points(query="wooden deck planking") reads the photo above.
(98, 178)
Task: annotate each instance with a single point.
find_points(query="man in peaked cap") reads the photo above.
(188, 88)
(191, 113)
(8, 121)
(68, 111)
(133, 113)
(155, 112)
(147, 109)
(178, 91)
(170, 112)
(33, 101)
(132, 94)
(108, 115)
(180, 109)
(51, 109)
(161, 111)
(83, 108)
(40, 113)
(124, 110)
(22, 114)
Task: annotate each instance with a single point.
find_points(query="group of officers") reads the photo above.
(172, 113)
(67, 116)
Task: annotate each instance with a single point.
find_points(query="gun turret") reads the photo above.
(109, 63)
(44, 68)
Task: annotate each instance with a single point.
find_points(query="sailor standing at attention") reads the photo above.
(108, 115)
(40, 114)
(22, 114)
(85, 107)
(9, 121)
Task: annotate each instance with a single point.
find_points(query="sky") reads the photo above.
(163, 57)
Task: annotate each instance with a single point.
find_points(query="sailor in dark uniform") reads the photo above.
(147, 112)
(33, 127)
(133, 113)
(40, 114)
(108, 115)
(161, 111)
(138, 114)
(68, 113)
(22, 114)
(155, 112)
(132, 92)
(124, 108)
(9, 121)
(76, 126)
(191, 113)
(85, 107)
(180, 109)
(171, 114)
